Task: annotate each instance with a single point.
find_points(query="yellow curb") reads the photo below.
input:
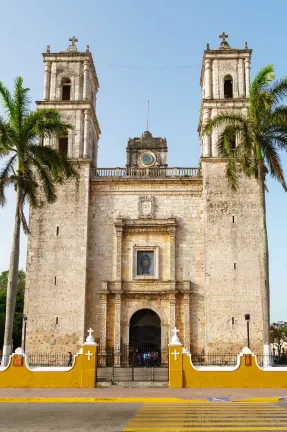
(266, 399)
(91, 400)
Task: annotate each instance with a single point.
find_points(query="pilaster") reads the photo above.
(47, 72)
(172, 302)
(206, 138)
(186, 320)
(103, 318)
(247, 76)
(86, 80)
(53, 81)
(86, 133)
(117, 329)
(119, 233)
(172, 232)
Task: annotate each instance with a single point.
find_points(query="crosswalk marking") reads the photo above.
(225, 416)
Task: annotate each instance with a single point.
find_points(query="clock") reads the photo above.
(147, 159)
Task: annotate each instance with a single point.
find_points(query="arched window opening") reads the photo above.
(228, 87)
(66, 89)
(63, 145)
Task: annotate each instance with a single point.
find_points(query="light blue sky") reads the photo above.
(155, 38)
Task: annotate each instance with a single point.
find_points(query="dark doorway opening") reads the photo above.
(145, 328)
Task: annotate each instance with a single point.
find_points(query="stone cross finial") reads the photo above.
(175, 339)
(223, 36)
(73, 39)
(90, 331)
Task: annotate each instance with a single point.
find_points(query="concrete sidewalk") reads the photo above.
(118, 392)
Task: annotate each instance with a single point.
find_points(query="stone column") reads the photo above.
(47, 71)
(53, 81)
(214, 137)
(86, 133)
(186, 321)
(247, 76)
(215, 83)
(119, 233)
(172, 231)
(205, 138)
(241, 86)
(86, 80)
(103, 318)
(172, 301)
(117, 330)
(207, 80)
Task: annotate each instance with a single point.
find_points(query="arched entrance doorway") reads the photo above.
(145, 328)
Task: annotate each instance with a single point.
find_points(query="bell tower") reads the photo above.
(234, 272)
(225, 82)
(55, 296)
(71, 86)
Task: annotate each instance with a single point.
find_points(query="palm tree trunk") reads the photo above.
(265, 294)
(12, 283)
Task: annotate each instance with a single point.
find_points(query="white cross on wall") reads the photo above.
(89, 354)
(175, 354)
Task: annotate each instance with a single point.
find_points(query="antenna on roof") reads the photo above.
(147, 115)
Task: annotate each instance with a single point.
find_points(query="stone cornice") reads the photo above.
(146, 225)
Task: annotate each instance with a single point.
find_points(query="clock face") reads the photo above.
(147, 158)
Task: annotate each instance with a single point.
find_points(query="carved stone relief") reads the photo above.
(146, 207)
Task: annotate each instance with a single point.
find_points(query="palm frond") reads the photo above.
(46, 122)
(47, 182)
(278, 91)
(222, 120)
(7, 100)
(273, 161)
(21, 102)
(5, 178)
(261, 82)
(232, 172)
(59, 165)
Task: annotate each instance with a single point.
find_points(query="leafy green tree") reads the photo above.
(32, 169)
(251, 146)
(18, 318)
(278, 335)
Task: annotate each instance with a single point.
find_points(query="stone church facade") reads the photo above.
(133, 252)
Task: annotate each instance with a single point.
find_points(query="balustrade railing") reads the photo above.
(148, 172)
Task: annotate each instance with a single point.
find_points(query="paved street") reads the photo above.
(222, 416)
(132, 417)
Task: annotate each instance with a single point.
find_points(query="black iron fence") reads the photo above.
(50, 360)
(218, 359)
(272, 360)
(137, 355)
(133, 363)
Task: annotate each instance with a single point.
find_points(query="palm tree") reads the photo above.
(251, 144)
(33, 169)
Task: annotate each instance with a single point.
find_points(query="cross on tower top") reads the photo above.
(73, 39)
(223, 36)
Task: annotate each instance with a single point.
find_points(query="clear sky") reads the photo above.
(147, 50)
